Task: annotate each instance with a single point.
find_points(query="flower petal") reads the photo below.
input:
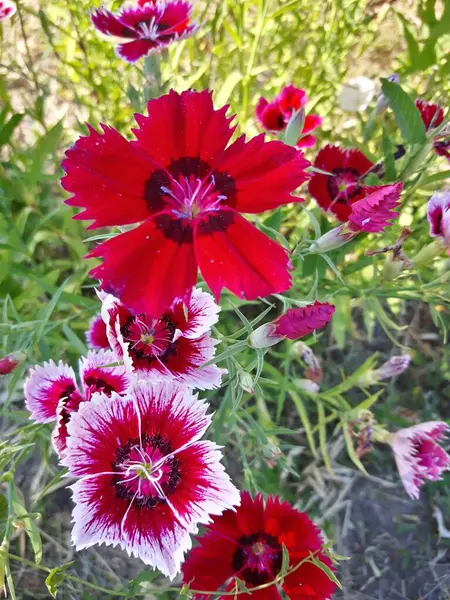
(97, 376)
(133, 51)
(45, 387)
(106, 175)
(96, 334)
(141, 261)
(373, 213)
(298, 322)
(198, 316)
(232, 253)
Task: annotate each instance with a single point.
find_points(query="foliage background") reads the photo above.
(55, 74)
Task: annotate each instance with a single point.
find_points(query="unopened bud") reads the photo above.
(307, 385)
(392, 269)
(294, 127)
(429, 252)
(265, 336)
(391, 368)
(335, 238)
(9, 362)
(246, 382)
(303, 352)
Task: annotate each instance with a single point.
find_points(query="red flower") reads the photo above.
(343, 185)
(96, 334)
(274, 116)
(247, 543)
(151, 26)
(189, 189)
(9, 362)
(432, 117)
(174, 347)
(145, 479)
(52, 392)
(373, 212)
(293, 324)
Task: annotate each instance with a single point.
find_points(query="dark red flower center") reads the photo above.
(344, 184)
(148, 338)
(97, 384)
(258, 558)
(147, 473)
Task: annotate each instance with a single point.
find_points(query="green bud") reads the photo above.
(429, 253)
(392, 269)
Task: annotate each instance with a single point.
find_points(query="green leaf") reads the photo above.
(326, 569)
(3, 515)
(303, 414)
(56, 577)
(406, 114)
(29, 525)
(323, 438)
(7, 130)
(49, 310)
(390, 173)
(350, 448)
(228, 86)
(48, 144)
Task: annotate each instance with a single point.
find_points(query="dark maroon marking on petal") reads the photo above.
(187, 166)
(245, 559)
(214, 222)
(153, 195)
(127, 33)
(164, 447)
(99, 385)
(333, 185)
(177, 230)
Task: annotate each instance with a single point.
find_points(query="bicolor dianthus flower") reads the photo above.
(149, 26)
(145, 479)
(187, 187)
(248, 544)
(174, 346)
(7, 9)
(53, 394)
(438, 213)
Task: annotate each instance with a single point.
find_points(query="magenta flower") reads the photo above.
(149, 26)
(9, 362)
(53, 394)
(373, 212)
(174, 346)
(418, 455)
(438, 213)
(293, 324)
(7, 9)
(145, 479)
(96, 337)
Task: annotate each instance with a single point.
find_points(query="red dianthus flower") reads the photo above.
(247, 543)
(343, 185)
(187, 188)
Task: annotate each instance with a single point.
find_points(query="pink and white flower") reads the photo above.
(96, 337)
(146, 480)
(293, 324)
(438, 213)
(7, 9)
(418, 455)
(174, 346)
(53, 394)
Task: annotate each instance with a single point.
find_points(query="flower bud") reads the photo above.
(356, 94)
(335, 238)
(303, 352)
(246, 382)
(307, 385)
(9, 362)
(294, 127)
(396, 365)
(429, 252)
(265, 336)
(392, 269)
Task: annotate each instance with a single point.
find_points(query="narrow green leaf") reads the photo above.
(303, 414)
(390, 173)
(323, 438)
(49, 310)
(350, 448)
(406, 114)
(326, 569)
(7, 130)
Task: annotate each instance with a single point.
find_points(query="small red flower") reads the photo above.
(149, 27)
(343, 185)
(247, 543)
(293, 324)
(145, 478)
(432, 117)
(96, 337)
(174, 346)
(274, 116)
(52, 392)
(373, 212)
(9, 362)
(188, 188)
(438, 213)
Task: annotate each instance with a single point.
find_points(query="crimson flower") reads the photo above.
(418, 455)
(438, 213)
(293, 324)
(96, 337)
(247, 543)
(53, 394)
(9, 362)
(274, 116)
(373, 212)
(145, 479)
(7, 9)
(343, 184)
(174, 346)
(188, 188)
(432, 117)
(150, 26)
